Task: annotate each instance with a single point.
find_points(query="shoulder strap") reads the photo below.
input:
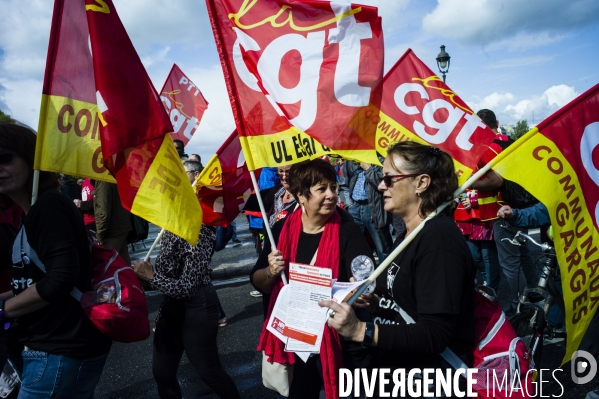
(449, 355)
(20, 242)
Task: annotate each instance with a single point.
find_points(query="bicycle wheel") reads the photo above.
(529, 325)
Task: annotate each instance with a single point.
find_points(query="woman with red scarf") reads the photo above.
(317, 230)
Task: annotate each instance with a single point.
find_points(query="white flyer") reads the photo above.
(296, 319)
(305, 319)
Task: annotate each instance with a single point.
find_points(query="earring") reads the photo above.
(418, 193)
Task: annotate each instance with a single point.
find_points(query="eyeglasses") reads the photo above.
(390, 179)
(6, 157)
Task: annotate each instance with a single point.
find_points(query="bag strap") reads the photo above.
(448, 355)
(22, 236)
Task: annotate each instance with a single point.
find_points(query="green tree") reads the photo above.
(5, 118)
(520, 129)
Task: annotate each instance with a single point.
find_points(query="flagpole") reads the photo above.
(273, 244)
(36, 183)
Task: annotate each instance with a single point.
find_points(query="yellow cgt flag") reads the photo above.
(554, 162)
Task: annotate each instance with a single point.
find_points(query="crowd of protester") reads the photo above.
(320, 212)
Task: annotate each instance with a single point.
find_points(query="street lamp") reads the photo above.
(443, 62)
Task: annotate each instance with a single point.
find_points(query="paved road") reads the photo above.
(128, 371)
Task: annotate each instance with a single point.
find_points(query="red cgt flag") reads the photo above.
(224, 185)
(136, 146)
(418, 106)
(184, 103)
(300, 75)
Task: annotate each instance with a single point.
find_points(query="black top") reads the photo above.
(55, 237)
(433, 281)
(351, 243)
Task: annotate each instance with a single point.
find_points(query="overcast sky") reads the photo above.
(519, 58)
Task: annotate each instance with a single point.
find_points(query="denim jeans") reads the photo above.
(516, 262)
(56, 376)
(485, 252)
(381, 237)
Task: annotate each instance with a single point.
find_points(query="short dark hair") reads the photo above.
(20, 139)
(196, 155)
(193, 166)
(179, 141)
(488, 117)
(424, 159)
(306, 174)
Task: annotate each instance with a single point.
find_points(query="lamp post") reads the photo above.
(443, 62)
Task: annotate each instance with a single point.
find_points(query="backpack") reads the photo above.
(511, 192)
(116, 304)
(498, 351)
(139, 229)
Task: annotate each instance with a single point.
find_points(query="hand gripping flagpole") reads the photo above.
(377, 272)
(265, 219)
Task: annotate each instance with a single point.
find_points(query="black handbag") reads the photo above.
(139, 229)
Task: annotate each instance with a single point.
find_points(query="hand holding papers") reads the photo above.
(296, 318)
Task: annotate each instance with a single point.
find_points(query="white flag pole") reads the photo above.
(265, 219)
(36, 183)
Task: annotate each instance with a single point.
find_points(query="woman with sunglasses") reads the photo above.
(432, 280)
(64, 353)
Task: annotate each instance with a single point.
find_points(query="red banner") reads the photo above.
(134, 130)
(224, 185)
(184, 103)
(418, 105)
(299, 76)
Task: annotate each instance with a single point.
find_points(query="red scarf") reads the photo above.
(328, 256)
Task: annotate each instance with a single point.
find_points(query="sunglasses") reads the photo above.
(6, 157)
(390, 179)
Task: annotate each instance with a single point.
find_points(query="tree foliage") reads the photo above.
(521, 129)
(4, 118)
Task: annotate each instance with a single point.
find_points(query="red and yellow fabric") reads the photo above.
(418, 106)
(134, 127)
(224, 185)
(300, 77)
(184, 103)
(80, 128)
(68, 139)
(557, 163)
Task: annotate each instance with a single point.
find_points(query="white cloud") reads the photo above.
(217, 123)
(535, 108)
(483, 22)
(24, 38)
(493, 101)
(165, 23)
